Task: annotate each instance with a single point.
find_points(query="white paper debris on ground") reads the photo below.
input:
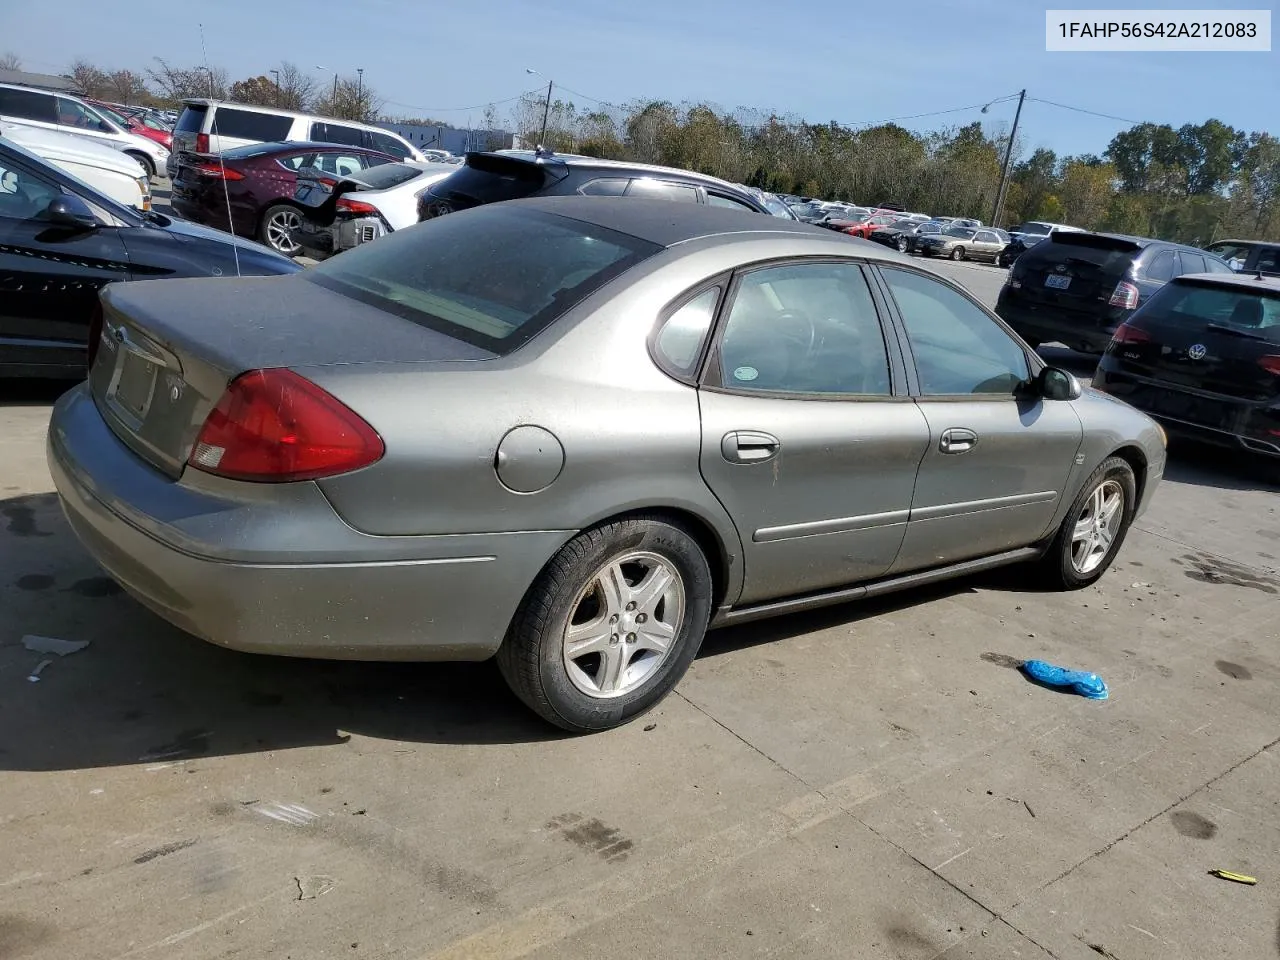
(53, 645)
(34, 675)
(293, 813)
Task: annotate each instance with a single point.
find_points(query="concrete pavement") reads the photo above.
(870, 781)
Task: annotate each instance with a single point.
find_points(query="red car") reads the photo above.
(862, 228)
(255, 183)
(138, 123)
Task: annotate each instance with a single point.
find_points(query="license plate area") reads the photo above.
(1056, 281)
(134, 385)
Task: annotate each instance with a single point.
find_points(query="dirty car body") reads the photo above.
(772, 414)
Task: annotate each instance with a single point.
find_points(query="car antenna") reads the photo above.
(222, 166)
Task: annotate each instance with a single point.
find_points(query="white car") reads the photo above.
(111, 172)
(362, 207)
(62, 113)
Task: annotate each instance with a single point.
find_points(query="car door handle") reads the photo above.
(957, 440)
(749, 446)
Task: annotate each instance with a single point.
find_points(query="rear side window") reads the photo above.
(192, 119)
(718, 200)
(388, 145)
(27, 105)
(680, 341)
(1216, 267)
(250, 125)
(1159, 267)
(604, 187)
(440, 274)
(1191, 263)
(662, 190)
(337, 133)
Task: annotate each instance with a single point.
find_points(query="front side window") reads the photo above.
(72, 114)
(808, 328)
(958, 349)
(719, 200)
(680, 340)
(440, 274)
(24, 196)
(662, 190)
(337, 133)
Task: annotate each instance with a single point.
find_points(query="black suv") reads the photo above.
(1203, 356)
(513, 174)
(1249, 256)
(1076, 288)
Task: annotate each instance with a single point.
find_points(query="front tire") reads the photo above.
(1094, 528)
(902, 244)
(957, 253)
(147, 166)
(610, 625)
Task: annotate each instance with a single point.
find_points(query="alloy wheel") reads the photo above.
(623, 624)
(1096, 527)
(280, 227)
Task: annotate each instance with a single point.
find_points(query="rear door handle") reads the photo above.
(957, 440)
(749, 446)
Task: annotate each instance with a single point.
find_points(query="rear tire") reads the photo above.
(148, 167)
(578, 655)
(274, 230)
(1087, 542)
(902, 244)
(957, 253)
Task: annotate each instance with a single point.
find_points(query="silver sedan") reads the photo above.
(574, 433)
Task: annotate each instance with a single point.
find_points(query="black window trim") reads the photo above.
(1034, 363)
(709, 374)
(724, 281)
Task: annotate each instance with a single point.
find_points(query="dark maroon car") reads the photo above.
(256, 183)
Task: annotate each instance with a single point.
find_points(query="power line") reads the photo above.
(933, 113)
(1092, 113)
(477, 106)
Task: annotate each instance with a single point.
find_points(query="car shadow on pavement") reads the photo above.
(1203, 465)
(31, 393)
(144, 692)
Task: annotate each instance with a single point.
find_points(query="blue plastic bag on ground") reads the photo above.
(1077, 681)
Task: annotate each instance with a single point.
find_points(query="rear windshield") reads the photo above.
(250, 125)
(963, 233)
(442, 275)
(1195, 306)
(388, 175)
(490, 179)
(192, 118)
(1062, 248)
(1037, 228)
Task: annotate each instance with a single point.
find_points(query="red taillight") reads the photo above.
(95, 333)
(217, 170)
(274, 426)
(356, 206)
(1125, 296)
(1270, 363)
(1127, 334)
(202, 143)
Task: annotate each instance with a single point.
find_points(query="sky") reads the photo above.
(853, 61)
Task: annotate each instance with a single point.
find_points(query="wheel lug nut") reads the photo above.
(614, 618)
(631, 638)
(631, 605)
(641, 618)
(613, 638)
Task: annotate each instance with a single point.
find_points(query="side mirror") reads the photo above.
(1051, 383)
(68, 210)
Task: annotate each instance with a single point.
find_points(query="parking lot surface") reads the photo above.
(868, 781)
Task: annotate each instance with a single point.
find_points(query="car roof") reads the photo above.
(578, 160)
(275, 146)
(1251, 244)
(1241, 282)
(669, 222)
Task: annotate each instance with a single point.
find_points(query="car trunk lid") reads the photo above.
(1208, 337)
(1073, 271)
(168, 349)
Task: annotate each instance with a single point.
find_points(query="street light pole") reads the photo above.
(360, 93)
(542, 137)
(276, 74)
(1008, 155)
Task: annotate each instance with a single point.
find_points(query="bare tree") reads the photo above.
(90, 81)
(10, 61)
(175, 84)
(297, 89)
(350, 100)
(125, 86)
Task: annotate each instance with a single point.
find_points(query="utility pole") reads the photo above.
(276, 74)
(1008, 155)
(546, 110)
(360, 94)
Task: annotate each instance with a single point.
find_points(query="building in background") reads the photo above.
(438, 137)
(44, 81)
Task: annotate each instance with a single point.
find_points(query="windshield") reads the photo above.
(1194, 306)
(1040, 229)
(440, 275)
(964, 233)
(777, 207)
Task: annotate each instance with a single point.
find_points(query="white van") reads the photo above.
(62, 113)
(211, 126)
(109, 171)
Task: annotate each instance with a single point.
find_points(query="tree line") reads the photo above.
(1197, 183)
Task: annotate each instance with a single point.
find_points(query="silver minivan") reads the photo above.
(211, 126)
(63, 113)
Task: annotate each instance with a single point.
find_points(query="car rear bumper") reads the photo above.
(277, 570)
(341, 235)
(1044, 324)
(1214, 418)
